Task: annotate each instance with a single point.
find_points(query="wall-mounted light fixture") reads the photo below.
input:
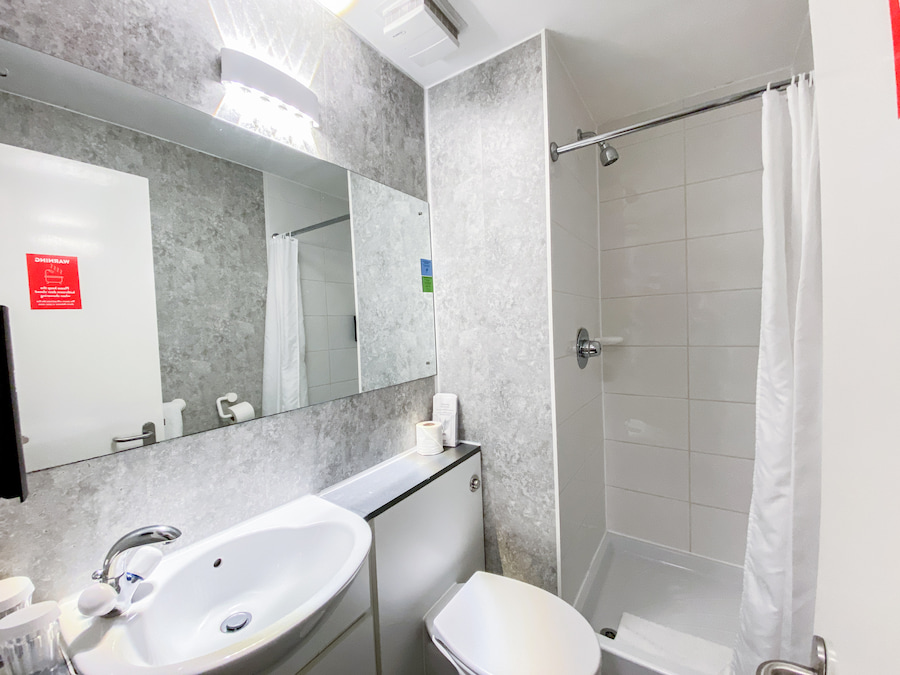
(337, 7)
(268, 83)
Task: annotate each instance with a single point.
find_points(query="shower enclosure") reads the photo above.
(658, 447)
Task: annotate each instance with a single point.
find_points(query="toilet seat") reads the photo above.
(500, 626)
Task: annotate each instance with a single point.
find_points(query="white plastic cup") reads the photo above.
(29, 641)
(15, 594)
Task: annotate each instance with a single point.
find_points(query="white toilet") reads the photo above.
(492, 625)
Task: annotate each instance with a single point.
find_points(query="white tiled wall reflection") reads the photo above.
(681, 264)
(326, 282)
(329, 306)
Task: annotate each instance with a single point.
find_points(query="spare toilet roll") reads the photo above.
(173, 419)
(243, 411)
(429, 437)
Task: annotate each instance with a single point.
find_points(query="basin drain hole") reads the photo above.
(236, 622)
(609, 633)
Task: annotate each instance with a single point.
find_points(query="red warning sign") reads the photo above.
(895, 29)
(53, 281)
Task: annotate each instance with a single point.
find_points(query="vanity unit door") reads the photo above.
(352, 654)
(76, 271)
(424, 545)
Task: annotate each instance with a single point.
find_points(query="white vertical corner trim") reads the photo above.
(429, 192)
(554, 424)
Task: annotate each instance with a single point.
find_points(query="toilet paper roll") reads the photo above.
(429, 437)
(173, 418)
(243, 411)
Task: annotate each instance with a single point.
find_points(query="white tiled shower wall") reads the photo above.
(575, 303)
(326, 282)
(680, 259)
(329, 307)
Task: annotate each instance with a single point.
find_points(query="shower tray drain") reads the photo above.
(235, 622)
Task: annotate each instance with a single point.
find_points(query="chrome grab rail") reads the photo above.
(783, 668)
(147, 435)
(819, 659)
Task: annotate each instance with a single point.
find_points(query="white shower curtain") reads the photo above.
(284, 353)
(781, 562)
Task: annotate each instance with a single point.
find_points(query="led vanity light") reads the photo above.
(268, 83)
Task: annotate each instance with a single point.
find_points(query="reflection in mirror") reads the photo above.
(138, 275)
(320, 294)
(396, 312)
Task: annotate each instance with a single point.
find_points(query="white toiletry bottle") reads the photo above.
(446, 411)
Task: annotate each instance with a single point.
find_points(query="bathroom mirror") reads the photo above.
(139, 236)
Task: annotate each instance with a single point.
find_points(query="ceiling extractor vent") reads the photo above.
(427, 30)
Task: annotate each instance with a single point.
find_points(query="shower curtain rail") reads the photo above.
(317, 226)
(556, 150)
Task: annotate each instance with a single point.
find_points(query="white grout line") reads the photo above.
(687, 318)
(675, 499)
(673, 241)
(663, 295)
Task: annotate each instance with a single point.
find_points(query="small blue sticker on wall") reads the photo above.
(426, 267)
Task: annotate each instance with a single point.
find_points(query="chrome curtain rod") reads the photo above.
(317, 226)
(556, 150)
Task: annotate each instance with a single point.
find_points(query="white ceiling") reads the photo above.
(628, 56)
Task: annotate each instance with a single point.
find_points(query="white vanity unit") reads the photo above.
(342, 643)
(324, 585)
(428, 534)
(266, 595)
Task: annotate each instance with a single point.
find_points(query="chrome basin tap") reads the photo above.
(125, 583)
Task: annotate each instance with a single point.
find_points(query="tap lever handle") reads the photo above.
(143, 562)
(97, 600)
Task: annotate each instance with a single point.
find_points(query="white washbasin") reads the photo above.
(286, 568)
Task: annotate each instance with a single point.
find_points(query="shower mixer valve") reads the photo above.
(585, 348)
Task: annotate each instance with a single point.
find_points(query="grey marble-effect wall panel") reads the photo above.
(80, 31)
(209, 481)
(372, 114)
(489, 221)
(201, 484)
(209, 250)
(171, 47)
(391, 236)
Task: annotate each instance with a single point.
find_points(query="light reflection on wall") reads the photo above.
(337, 7)
(291, 42)
(278, 38)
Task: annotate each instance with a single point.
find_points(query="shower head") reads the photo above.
(608, 154)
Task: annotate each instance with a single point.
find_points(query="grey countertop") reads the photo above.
(373, 491)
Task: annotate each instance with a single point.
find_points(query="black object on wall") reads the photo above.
(12, 458)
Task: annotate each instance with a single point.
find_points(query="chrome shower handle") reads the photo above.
(585, 348)
(589, 348)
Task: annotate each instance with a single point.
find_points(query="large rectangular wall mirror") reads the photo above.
(169, 273)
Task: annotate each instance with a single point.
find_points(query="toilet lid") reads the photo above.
(500, 626)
